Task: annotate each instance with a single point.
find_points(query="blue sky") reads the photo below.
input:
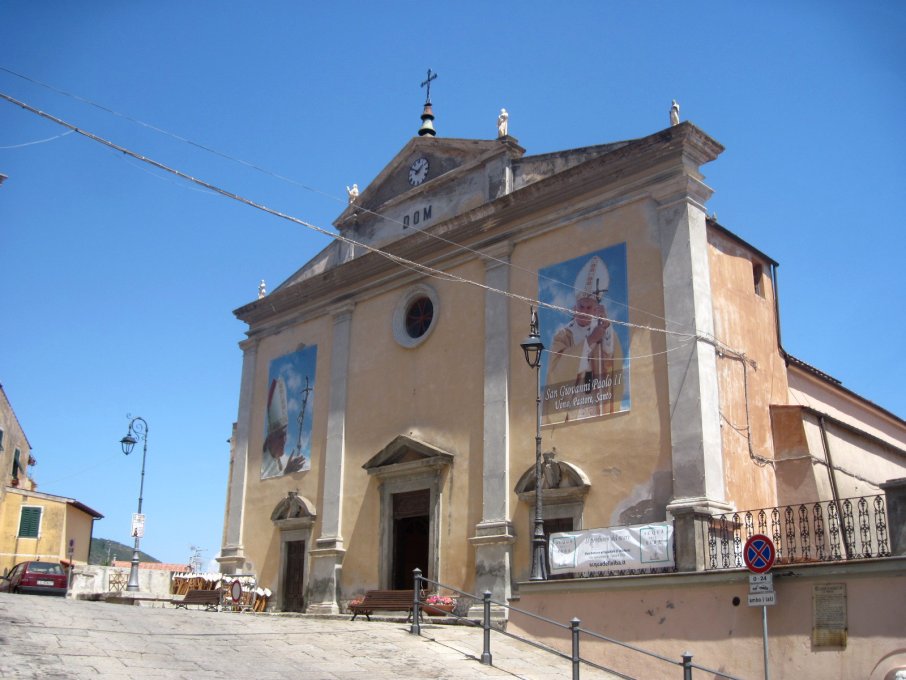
(119, 281)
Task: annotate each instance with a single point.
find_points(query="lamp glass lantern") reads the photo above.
(127, 443)
(532, 345)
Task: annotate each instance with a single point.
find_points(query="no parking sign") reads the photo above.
(759, 554)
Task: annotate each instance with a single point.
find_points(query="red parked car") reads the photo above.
(42, 578)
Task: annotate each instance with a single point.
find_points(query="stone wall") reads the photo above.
(93, 579)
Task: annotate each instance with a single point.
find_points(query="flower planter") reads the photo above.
(437, 609)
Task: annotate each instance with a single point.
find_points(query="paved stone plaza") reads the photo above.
(50, 637)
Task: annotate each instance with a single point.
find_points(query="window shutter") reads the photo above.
(29, 522)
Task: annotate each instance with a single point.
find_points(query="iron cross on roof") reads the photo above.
(428, 84)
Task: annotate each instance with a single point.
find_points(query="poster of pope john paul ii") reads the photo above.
(585, 369)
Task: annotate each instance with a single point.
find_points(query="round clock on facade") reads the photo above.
(418, 171)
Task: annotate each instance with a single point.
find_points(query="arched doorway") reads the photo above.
(293, 516)
(564, 487)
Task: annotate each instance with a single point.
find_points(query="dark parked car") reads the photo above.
(44, 578)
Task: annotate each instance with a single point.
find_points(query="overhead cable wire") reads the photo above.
(276, 213)
(163, 178)
(37, 141)
(632, 357)
(321, 192)
(173, 135)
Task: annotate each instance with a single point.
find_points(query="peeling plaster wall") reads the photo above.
(645, 502)
(744, 322)
(798, 480)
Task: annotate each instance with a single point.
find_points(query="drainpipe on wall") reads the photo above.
(833, 482)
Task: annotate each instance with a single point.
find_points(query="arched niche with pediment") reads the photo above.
(410, 473)
(293, 516)
(564, 487)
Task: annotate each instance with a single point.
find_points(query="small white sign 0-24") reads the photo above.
(762, 599)
(761, 583)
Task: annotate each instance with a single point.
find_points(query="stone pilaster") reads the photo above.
(232, 558)
(698, 476)
(690, 535)
(327, 557)
(494, 537)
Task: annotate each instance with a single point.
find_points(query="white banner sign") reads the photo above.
(138, 525)
(640, 546)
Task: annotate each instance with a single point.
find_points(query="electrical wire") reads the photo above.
(37, 141)
(425, 269)
(170, 180)
(169, 134)
(681, 345)
(314, 190)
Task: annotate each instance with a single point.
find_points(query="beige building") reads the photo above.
(387, 415)
(35, 525)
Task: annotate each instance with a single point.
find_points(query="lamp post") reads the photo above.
(137, 427)
(532, 346)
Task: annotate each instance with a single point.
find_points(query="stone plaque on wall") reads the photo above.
(829, 616)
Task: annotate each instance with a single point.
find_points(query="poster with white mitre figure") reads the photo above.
(585, 366)
(604, 551)
(287, 416)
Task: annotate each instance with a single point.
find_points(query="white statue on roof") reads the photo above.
(502, 123)
(353, 193)
(262, 289)
(674, 113)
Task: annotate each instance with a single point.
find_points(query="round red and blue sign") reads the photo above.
(759, 553)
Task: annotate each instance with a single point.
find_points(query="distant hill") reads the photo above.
(105, 552)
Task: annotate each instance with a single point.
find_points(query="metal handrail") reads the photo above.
(574, 627)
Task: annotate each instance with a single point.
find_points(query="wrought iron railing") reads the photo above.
(827, 531)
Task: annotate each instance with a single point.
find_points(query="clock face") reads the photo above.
(418, 171)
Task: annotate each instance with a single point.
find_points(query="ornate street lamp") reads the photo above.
(137, 427)
(532, 346)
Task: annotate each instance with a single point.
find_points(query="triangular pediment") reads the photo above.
(404, 174)
(405, 451)
(428, 181)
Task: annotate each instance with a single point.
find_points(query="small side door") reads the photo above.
(294, 577)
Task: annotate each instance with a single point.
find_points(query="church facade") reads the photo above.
(387, 415)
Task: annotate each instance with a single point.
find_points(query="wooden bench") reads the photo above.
(210, 599)
(384, 600)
